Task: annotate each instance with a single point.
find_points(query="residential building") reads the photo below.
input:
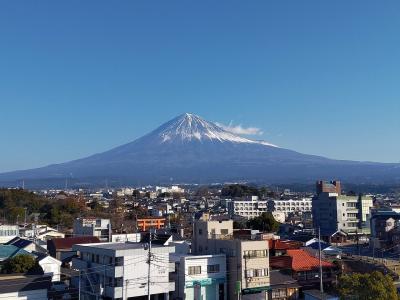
(334, 212)
(120, 270)
(382, 224)
(21, 287)
(126, 237)
(61, 248)
(248, 207)
(303, 267)
(100, 228)
(200, 277)
(288, 206)
(146, 223)
(247, 260)
(8, 232)
(283, 286)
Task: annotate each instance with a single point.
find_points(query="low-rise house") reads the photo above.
(283, 286)
(62, 248)
(303, 267)
(27, 245)
(21, 287)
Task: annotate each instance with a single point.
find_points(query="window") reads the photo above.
(213, 268)
(200, 231)
(224, 231)
(249, 273)
(194, 270)
(119, 261)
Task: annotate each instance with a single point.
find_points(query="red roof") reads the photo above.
(297, 260)
(283, 244)
(67, 243)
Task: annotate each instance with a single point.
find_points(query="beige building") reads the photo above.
(247, 260)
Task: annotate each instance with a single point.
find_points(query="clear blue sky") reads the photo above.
(80, 77)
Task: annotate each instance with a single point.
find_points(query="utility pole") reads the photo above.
(321, 285)
(79, 286)
(25, 217)
(149, 262)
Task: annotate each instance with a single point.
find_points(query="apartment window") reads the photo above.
(213, 268)
(194, 270)
(224, 231)
(118, 282)
(249, 273)
(255, 253)
(119, 261)
(260, 272)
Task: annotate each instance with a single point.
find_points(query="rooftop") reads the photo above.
(120, 246)
(297, 260)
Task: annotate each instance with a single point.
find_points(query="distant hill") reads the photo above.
(189, 149)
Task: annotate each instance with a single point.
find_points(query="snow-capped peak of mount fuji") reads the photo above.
(190, 127)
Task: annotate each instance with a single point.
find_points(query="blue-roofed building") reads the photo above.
(9, 251)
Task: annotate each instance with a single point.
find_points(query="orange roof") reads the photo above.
(298, 260)
(283, 244)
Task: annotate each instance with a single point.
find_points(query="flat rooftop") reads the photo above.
(119, 246)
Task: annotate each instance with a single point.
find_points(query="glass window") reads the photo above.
(213, 268)
(194, 270)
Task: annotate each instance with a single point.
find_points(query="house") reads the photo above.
(280, 247)
(27, 245)
(283, 286)
(303, 267)
(21, 287)
(61, 248)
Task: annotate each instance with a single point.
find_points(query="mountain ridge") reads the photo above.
(193, 150)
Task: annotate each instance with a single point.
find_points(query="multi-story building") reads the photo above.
(247, 260)
(383, 223)
(334, 212)
(248, 207)
(8, 232)
(121, 271)
(200, 277)
(290, 205)
(147, 223)
(100, 228)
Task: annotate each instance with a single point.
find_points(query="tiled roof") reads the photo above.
(298, 260)
(283, 244)
(67, 243)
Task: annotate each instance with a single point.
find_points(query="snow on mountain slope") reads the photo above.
(188, 127)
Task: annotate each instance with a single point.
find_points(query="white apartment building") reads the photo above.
(248, 207)
(290, 205)
(200, 277)
(247, 260)
(120, 270)
(8, 232)
(100, 228)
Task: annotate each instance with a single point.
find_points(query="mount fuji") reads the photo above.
(189, 149)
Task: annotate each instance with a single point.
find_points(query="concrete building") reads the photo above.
(383, 223)
(200, 277)
(334, 212)
(8, 232)
(100, 228)
(247, 260)
(290, 206)
(21, 287)
(248, 207)
(120, 270)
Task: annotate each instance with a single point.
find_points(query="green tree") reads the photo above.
(367, 286)
(20, 264)
(264, 222)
